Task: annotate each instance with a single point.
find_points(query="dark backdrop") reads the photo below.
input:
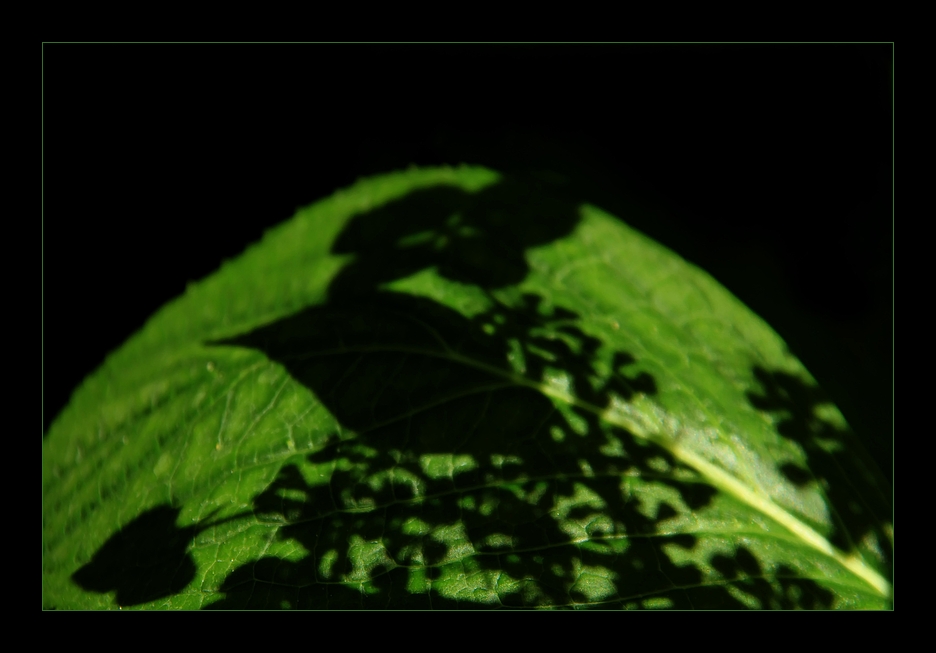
(767, 165)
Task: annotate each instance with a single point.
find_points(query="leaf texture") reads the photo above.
(453, 388)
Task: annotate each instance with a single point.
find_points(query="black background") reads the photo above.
(769, 166)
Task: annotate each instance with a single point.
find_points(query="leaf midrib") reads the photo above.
(715, 476)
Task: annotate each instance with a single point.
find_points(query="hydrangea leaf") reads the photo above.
(453, 388)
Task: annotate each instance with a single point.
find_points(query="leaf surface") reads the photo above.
(452, 388)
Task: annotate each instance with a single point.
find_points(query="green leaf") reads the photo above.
(451, 388)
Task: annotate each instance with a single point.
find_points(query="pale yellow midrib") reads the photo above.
(718, 477)
(715, 475)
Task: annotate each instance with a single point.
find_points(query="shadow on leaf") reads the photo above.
(453, 481)
(856, 492)
(146, 560)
